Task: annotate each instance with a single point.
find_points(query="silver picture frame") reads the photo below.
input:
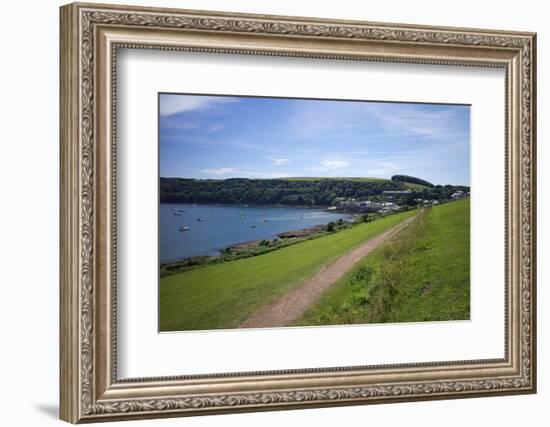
(90, 37)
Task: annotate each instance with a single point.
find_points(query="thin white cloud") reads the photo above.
(390, 165)
(172, 104)
(333, 121)
(265, 149)
(330, 166)
(183, 125)
(413, 119)
(279, 161)
(335, 164)
(385, 168)
(226, 172)
(220, 171)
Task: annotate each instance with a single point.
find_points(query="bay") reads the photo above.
(213, 228)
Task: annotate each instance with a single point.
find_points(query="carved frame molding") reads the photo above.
(90, 37)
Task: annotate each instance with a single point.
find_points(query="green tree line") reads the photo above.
(323, 192)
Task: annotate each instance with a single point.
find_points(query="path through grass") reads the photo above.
(422, 274)
(223, 295)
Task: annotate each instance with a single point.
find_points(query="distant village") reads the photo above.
(390, 201)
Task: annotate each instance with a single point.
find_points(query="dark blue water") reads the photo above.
(224, 226)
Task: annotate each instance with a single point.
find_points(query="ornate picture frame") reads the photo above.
(90, 37)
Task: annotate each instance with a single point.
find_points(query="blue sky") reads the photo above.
(227, 137)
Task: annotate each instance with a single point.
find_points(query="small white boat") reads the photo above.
(184, 228)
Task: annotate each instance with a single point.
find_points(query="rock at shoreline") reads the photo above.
(245, 245)
(301, 233)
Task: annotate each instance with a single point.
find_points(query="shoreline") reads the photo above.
(291, 236)
(253, 247)
(285, 235)
(305, 231)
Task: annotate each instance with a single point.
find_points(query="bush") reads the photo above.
(330, 226)
(368, 217)
(362, 274)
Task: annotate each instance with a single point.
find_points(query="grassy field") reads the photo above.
(223, 295)
(353, 179)
(421, 274)
(415, 186)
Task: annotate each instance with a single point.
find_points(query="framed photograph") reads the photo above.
(266, 212)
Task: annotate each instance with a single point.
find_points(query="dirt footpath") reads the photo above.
(293, 304)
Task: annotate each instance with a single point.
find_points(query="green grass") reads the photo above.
(415, 186)
(317, 178)
(410, 185)
(422, 274)
(223, 295)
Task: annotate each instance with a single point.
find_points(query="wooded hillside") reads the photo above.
(291, 192)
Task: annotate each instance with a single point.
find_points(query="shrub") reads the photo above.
(362, 274)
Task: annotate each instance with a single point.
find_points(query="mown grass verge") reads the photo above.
(250, 249)
(422, 274)
(223, 295)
